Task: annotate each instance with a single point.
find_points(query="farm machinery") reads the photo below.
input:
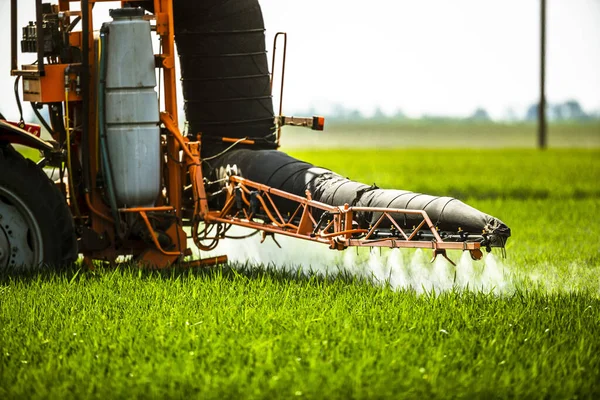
(121, 178)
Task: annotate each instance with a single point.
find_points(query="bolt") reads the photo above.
(15, 249)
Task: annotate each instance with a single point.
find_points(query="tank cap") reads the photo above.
(127, 12)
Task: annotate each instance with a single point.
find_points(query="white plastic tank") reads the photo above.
(132, 118)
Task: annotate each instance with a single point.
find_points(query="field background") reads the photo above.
(456, 134)
(275, 331)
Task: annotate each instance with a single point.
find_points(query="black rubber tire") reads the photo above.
(45, 202)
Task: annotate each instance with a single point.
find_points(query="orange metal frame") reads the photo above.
(339, 232)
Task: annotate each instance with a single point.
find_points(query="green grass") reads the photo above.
(470, 173)
(255, 332)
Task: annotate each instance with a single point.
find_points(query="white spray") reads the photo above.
(400, 269)
(408, 269)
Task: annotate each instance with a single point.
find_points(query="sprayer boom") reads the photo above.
(253, 205)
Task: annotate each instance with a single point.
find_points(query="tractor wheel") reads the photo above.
(36, 226)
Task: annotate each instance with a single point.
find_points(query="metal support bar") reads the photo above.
(284, 34)
(542, 134)
(40, 37)
(13, 36)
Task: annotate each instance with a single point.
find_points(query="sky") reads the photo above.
(436, 56)
(431, 57)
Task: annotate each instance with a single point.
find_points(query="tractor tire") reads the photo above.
(36, 225)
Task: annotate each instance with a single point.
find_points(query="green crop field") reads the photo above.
(527, 326)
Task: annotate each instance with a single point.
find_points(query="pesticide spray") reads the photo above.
(400, 269)
(407, 269)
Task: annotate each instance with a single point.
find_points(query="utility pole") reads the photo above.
(542, 142)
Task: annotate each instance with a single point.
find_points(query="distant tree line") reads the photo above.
(569, 110)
